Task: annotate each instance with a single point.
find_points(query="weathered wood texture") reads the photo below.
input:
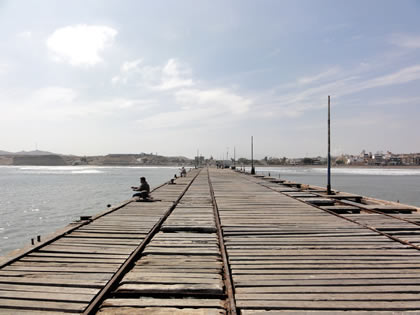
(181, 263)
(289, 256)
(65, 275)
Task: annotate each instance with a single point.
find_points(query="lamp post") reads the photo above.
(329, 152)
(252, 156)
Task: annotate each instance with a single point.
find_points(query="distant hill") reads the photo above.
(34, 152)
(38, 157)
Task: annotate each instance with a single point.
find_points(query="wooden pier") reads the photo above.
(224, 242)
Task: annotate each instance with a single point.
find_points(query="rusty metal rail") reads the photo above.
(128, 264)
(226, 267)
(397, 239)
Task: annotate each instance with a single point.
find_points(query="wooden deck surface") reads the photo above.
(286, 254)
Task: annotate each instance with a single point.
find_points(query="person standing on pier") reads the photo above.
(143, 189)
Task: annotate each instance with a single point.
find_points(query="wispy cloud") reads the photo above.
(402, 76)
(312, 95)
(321, 76)
(174, 76)
(54, 94)
(406, 40)
(80, 45)
(190, 100)
(56, 103)
(200, 106)
(170, 76)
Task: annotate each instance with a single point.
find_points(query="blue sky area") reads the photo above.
(98, 77)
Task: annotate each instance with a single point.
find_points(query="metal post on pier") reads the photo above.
(227, 156)
(329, 151)
(234, 157)
(252, 156)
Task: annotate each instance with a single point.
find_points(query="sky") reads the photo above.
(173, 77)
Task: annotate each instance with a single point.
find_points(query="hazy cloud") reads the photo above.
(25, 34)
(405, 75)
(221, 99)
(175, 75)
(59, 103)
(200, 106)
(170, 76)
(80, 45)
(321, 76)
(54, 94)
(406, 40)
(3, 67)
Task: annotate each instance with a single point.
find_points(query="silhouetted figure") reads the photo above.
(143, 189)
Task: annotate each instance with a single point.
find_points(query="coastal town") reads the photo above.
(362, 159)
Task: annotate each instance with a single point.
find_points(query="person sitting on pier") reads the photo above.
(143, 189)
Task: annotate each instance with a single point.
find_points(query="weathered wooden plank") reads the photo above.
(150, 302)
(190, 274)
(177, 288)
(332, 305)
(380, 288)
(19, 304)
(32, 312)
(159, 311)
(315, 312)
(54, 282)
(328, 282)
(48, 259)
(90, 269)
(43, 296)
(129, 278)
(54, 275)
(50, 289)
(366, 296)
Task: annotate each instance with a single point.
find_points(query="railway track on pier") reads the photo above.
(219, 242)
(291, 256)
(400, 222)
(165, 257)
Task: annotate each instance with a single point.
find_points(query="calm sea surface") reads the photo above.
(399, 184)
(36, 200)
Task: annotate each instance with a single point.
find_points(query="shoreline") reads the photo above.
(342, 166)
(256, 166)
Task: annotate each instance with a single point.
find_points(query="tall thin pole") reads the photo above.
(252, 156)
(329, 150)
(234, 156)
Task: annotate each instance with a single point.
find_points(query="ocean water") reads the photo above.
(393, 184)
(37, 200)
